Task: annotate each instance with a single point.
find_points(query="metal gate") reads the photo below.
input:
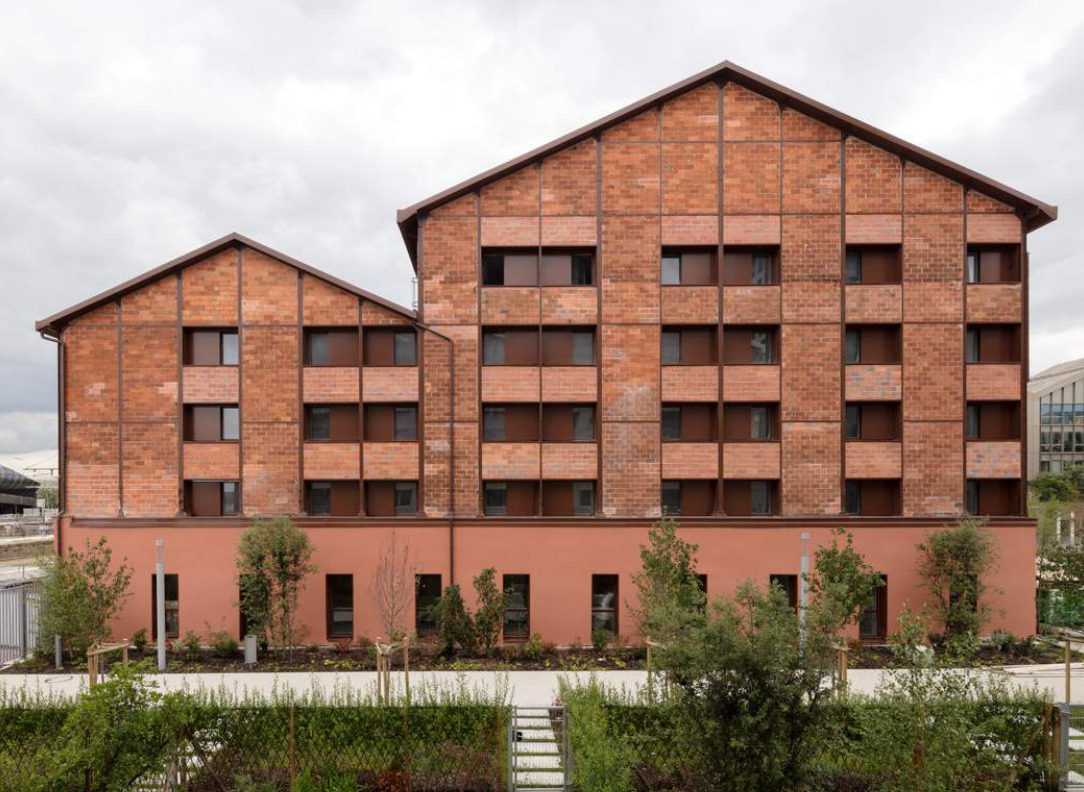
(18, 621)
(538, 756)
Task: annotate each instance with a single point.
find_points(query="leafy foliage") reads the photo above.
(459, 629)
(489, 615)
(81, 592)
(671, 600)
(1065, 486)
(953, 563)
(274, 558)
(603, 760)
(455, 627)
(841, 582)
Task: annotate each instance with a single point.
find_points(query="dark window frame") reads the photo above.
(510, 582)
(173, 606)
(613, 609)
(425, 616)
(188, 351)
(191, 423)
(333, 630)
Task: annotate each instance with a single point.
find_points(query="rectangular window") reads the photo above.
(210, 347)
(319, 423)
(852, 347)
(583, 348)
(788, 584)
(496, 498)
(339, 595)
(517, 615)
(493, 424)
(212, 498)
(873, 619)
(567, 268)
(671, 497)
(749, 266)
(762, 346)
(512, 423)
(973, 431)
(406, 497)
(406, 423)
(604, 603)
(762, 269)
(319, 498)
(746, 345)
(854, 267)
(671, 270)
(972, 266)
(173, 606)
(427, 591)
(318, 349)
(854, 422)
(583, 424)
(568, 347)
(760, 497)
(406, 349)
(990, 343)
(995, 497)
(205, 423)
(760, 424)
(565, 423)
(338, 422)
(748, 498)
(332, 347)
(853, 501)
(671, 423)
(493, 349)
(492, 269)
(971, 350)
(509, 268)
(583, 498)
(993, 264)
(671, 348)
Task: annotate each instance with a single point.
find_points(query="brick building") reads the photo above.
(726, 300)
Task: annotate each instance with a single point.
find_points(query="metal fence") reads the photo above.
(19, 613)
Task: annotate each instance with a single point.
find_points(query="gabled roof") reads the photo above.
(1056, 376)
(52, 324)
(1036, 212)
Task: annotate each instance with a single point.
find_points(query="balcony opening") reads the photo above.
(750, 266)
(872, 264)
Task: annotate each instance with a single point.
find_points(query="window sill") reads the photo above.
(212, 365)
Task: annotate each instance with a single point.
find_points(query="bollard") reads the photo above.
(58, 656)
(250, 649)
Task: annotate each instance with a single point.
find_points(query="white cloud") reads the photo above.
(26, 431)
(133, 132)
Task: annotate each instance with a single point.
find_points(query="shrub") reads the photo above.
(81, 593)
(454, 625)
(492, 603)
(953, 563)
(223, 644)
(600, 639)
(603, 760)
(190, 646)
(139, 639)
(842, 582)
(533, 649)
(272, 564)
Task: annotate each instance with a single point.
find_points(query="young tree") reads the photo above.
(671, 600)
(274, 557)
(489, 615)
(81, 593)
(454, 624)
(841, 582)
(393, 586)
(953, 562)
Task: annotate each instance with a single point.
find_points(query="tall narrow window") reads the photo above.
(319, 423)
(760, 497)
(972, 497)
(583, 424)
(854, 422)
(406, 349)
(789, 586)
(854, 267)
(517, 614)
(671, 270)
(231, 497)
(604, 603)
(582, 269)
(406, 497)
(873, 619)
(853, 500)
(496, 498)
(231, 423)
(427, 590)
(583, 498)
(972, 266)
(583, 348)
(318, 346)
(493, 349)
(492, 269)
(339, 593)
(973, 431)
(972, 345)
(319, 498)
(671, 423)
(760, 425)
(762, 346)
(671, 497)
(852, 347)
(173, 606)
(493, 424)
(406, 423)
(229, 349)
(762, 269)
(671, 347)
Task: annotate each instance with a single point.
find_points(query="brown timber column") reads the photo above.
(180, 393)
(720, 507)
(300, 392)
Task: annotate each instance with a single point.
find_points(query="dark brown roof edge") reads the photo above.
(53, 323)
(1037, 213)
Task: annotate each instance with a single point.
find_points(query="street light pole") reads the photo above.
(803, 589)
(160, 603)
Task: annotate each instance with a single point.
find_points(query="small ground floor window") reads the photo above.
(173, 607)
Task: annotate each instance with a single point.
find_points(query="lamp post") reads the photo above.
(160, 603)
(803, 589)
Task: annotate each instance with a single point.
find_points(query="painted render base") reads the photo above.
(559, 557)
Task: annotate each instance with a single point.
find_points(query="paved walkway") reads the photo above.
(526, 688)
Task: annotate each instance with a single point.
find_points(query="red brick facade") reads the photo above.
(723, 166)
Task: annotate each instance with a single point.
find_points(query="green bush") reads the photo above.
(139, 639)
(223, 644)
(190, 646)
(533, 649)
(603, 761)
(600, 639)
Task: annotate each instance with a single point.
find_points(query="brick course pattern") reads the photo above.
(751, 460)
(330, 384)
(210, 384)
(933, 468)
(994, 302)
(993, 460)
(510, 384)
(751, 304)
(690, 304)
(811, 465)
(389, 383)
(993, 381)
(333, 461)
(690, 460)
(873, 460)
(570, 461)
(569, 384)
(751, 383)
(511, 461)
(690, 383)
(870, 382)
(880, 304)
(569, 305)
(387, 461)
(510, 305)
(212, 461)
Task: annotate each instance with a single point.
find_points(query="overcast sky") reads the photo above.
(133, 132)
